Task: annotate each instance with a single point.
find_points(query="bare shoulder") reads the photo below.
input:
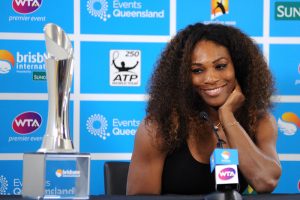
(147, 138)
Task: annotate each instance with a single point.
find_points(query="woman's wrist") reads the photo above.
(230, 124)
(224, 113)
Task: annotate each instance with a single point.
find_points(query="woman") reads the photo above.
(218, 70)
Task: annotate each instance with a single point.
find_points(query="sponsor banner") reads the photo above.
(110, 67)
(289, 82)
(285, 18)
(287, 116)
(11, 177)
(289, 181)
(125, 17)
(247, 16)
(22, 66)
(30, 16)
(23, 125)
(109, 126)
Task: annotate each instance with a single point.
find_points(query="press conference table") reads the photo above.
(174, 197)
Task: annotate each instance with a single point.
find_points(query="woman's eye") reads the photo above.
(221, 66)
(197, 70)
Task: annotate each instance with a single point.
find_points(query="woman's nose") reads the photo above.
(210, 76)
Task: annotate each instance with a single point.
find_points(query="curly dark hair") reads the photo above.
(174, 105)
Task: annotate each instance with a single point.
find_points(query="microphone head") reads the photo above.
(204, 115)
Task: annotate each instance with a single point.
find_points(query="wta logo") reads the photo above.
(27, 122)
(26, 6)
(288, 123)
(227, 173)
(7, 61)
(219, 8)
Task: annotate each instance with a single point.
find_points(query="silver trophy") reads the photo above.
(59, 69)
(40, 177)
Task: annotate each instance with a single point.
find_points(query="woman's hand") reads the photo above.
(235, 100)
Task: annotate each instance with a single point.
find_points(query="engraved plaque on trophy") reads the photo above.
(56, 170)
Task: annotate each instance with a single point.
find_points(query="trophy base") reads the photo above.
(56, 175)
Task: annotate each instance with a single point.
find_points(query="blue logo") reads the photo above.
(3, 185)
(98, 8)
(97, 125)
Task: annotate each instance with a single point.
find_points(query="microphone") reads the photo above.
(223, 163)
(204, 116)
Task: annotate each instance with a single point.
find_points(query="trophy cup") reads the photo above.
(56, 170)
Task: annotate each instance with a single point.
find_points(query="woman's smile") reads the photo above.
(212, 92)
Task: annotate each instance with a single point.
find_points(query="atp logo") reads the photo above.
(3, 185)
(7, 61)
(219, 8)
(97, 125)
(27, 122)
(288, 123)
(98, 8)
(125, 68)
(26, 6)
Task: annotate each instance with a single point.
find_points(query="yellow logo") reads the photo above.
(219, 8)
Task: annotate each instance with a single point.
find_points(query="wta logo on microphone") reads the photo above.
(227, 173)
(224, 162)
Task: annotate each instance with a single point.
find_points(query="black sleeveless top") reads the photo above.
(182, 174)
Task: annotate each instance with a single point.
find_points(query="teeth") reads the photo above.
(213, 92)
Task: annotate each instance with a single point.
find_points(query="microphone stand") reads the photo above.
(227, 194)
(220, 141)
(204, 116)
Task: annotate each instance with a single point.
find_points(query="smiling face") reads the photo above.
(212, 72)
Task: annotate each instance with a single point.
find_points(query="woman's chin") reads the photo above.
(215, 104)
